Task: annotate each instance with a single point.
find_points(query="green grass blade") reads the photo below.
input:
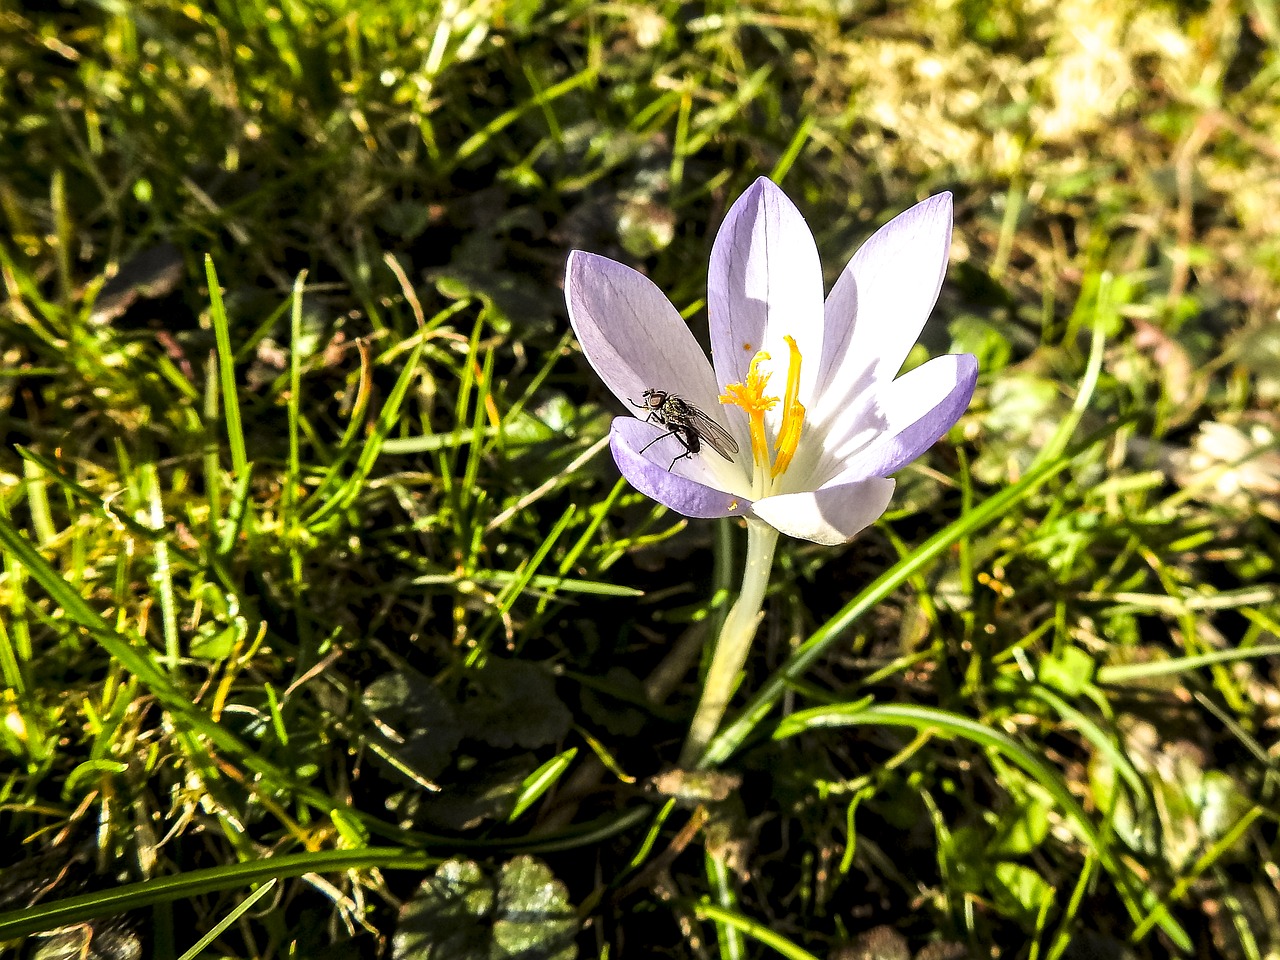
(508, 117)
(1095, 735)
(228, 920)
(210, 461)
(163, 575)
(388, 418)
(540, 781)
(924, 718)
(226, 370)
(37, 493)
(293, 474)
(350, 436)
(64, 234)
(1088, 383)
(792, 153)
(756, 931)
(728, 936)
(131, 896)
(1128, 672)
(548, 583)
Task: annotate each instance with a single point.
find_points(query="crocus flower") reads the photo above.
(807, 390)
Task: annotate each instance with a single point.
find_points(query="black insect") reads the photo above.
(686, 423)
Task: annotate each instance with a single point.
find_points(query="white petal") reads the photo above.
(632, 336)
(831, 515)
(880, 304)
(765, 280)
(896, 422)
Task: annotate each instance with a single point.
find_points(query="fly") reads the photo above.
(686, 423)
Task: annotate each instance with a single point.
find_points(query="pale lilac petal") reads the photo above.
(903, 419)
(765, 280)
(659, 445)
(880, 304)
(631, 334)
(669, 487)
(831, 515)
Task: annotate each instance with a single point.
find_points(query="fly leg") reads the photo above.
(688, 439)
(661, 436)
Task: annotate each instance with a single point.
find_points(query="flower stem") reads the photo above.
(734, 642)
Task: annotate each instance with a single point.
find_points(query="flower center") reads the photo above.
(750, 396)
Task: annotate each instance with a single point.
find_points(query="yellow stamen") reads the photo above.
(792, 413)
(750, 397)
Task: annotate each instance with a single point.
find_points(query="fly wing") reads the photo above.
(716, 436)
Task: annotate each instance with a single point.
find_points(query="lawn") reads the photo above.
(331, 629)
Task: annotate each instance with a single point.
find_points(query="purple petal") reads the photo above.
(880, 304)
(831, 515)
(631, 334)
(668, 484)
(909, 415)
(765, 280)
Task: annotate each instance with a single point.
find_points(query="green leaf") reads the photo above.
(616, 714)
(535, 918)
(967, 863)
(90, 770)
(1018, 890)
(447, 916)
(1024, 409)
(417, 727)
(514, 703)
(984, 339)
(215, 642)
(1020, 831)
(353, 832)
(459, 913)
(1220, 804)
(1070, 674)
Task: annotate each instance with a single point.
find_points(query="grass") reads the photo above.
(317, 574)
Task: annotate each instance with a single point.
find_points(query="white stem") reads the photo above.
(733, 643)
